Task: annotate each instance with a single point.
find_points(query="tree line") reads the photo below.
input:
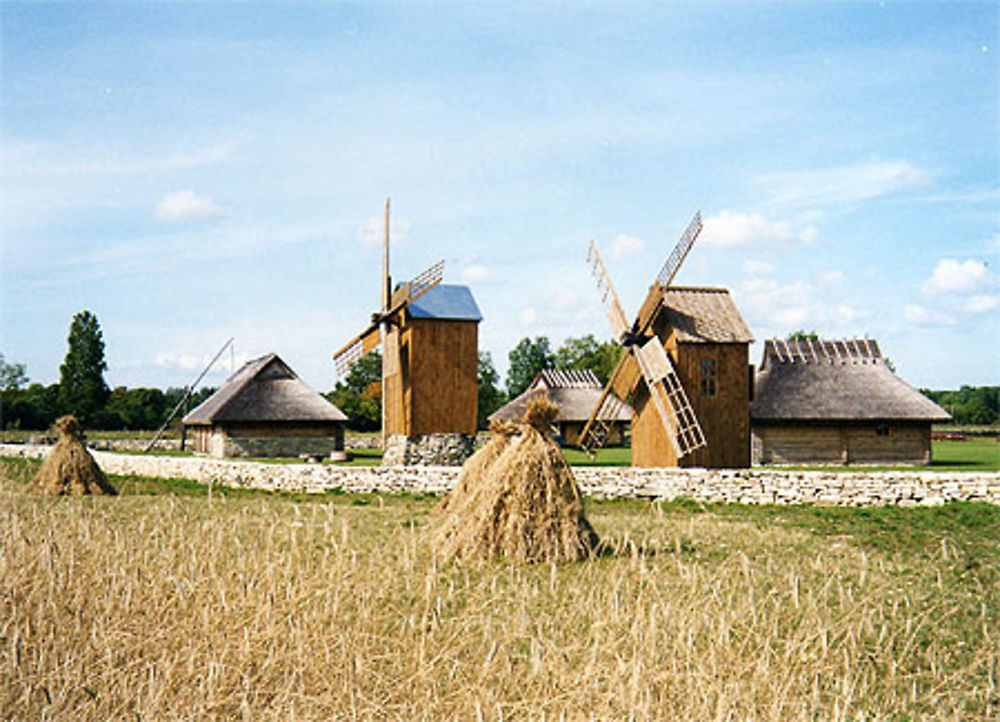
(970, 405)
(82, 390)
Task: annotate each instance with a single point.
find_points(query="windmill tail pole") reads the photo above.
(187, 394)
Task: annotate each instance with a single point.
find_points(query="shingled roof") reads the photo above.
(834, 381)
(264, 389)
(576, 393)
(704, 315)
(446, 302)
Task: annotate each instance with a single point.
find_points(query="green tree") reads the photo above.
(12, 375)
(802, 335)
(82, 389)
(527, 359)
(34, 407)
(587, 352)
(490, 397)
(359, 394)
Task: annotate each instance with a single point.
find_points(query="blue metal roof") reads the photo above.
(446, 302)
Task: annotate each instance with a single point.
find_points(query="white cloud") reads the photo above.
(758, 268)
(952, 276)
(185, 362)
(729, 229)
(844, 184)
(920, 316)
(564, 297)
(371, 232)
(185, 206)
(624, 245)
(476, 273)
(831, 278)
(528, 315)
(982, 303)
(802, 303)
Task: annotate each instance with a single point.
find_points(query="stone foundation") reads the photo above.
(428, 450)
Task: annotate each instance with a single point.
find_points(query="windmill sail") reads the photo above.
(357, 348)
(677, 256)
(369, 339)
(613, 307)
(646, 357)
(669, 398)
(608, 406)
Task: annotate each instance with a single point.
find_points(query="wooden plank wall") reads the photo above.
(440, 365)
(393, 392)
(857, 443)
(724, 417)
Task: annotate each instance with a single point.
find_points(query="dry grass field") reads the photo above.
(167, 603)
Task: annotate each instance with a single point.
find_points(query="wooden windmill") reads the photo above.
(430, 358)
(685, 370)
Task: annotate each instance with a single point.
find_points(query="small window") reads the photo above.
(708, 377)
(881, 429)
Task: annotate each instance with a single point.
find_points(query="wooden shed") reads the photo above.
(576, 393)
(707, 339)
(265, 410)
(836, 402)
(430, 365)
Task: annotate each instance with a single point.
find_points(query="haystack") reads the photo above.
(525, 506)
(69, 468)
(476, 467)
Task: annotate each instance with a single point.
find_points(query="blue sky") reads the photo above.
(191, 171)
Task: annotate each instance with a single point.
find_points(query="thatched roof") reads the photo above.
(576, 393)
(834, 381)
(264, 389)
(704, 315)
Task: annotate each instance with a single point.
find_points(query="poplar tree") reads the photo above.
(82, 389)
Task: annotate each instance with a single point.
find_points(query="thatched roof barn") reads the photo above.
(576, 393)
(265, 409)
(823, 402)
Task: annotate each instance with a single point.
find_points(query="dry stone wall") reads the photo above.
(751, 486)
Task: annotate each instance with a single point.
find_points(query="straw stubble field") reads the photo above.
(178, 605)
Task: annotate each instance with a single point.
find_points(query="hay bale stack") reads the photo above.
(69, 468)
(524, 506)
(477, 466)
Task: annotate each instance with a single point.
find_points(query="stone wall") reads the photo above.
(752, 486)
(428, 450)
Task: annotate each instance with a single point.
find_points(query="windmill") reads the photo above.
(430, 356)
(645, 359)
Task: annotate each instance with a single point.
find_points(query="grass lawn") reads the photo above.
(166, 602)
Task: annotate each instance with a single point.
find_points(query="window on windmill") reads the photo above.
(708, 377)
(881, 429)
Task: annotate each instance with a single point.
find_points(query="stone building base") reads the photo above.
(428, 450)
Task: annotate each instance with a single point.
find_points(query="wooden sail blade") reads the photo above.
(425, 281)
(650, 308)
(609, 405)
(612, 306)
(357, 348)
(668, 396)
(677, 256)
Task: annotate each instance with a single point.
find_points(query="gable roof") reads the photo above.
(576, 393)
(446, 302)
(572, 379)
(701, 315)
(834, 381)
(264, 389)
